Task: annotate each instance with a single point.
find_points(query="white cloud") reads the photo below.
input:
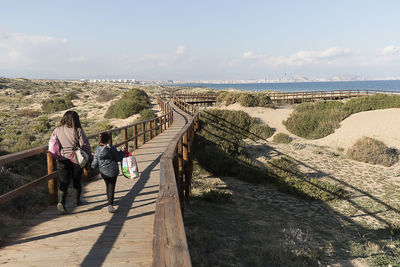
(181, 50)
(391, 50)
(300, 58)
(77, 59)
(19, 51)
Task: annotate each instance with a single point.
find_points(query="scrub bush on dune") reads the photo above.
(372, 151)
(132, 102)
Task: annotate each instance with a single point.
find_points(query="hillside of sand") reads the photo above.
(383, 125)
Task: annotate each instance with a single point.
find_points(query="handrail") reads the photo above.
(160, 123)
(291, 97)
(170, 245)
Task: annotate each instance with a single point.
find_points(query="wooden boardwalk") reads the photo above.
(89, 235)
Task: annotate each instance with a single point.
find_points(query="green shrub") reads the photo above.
(221, 97)
(372, 102)
(228, 128)
(231, 98)
(56, 104)
(71, 96)
(216, 196)
(132, 102)
(102, 126)
(372, 151)
(42, 124)
(248, 100)
(263, 100)
(147, 114)
(282, 138)
(261, 131)
(313, 121)
(245, 99)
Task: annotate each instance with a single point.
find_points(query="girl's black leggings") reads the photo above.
(110, 187)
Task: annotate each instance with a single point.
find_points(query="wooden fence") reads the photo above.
(149, 128)
(311, 96)
(290, 97)
(170, 245)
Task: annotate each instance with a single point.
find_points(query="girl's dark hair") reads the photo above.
(71, 120)
(104, 137)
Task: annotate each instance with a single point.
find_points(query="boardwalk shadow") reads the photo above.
(113, 228)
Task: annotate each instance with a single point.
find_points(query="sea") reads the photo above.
(384, 85)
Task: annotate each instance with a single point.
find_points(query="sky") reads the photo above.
(199, 40)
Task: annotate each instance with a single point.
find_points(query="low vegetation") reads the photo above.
(146, 114)
(313, 121)
(227, 129)
(372, 151)
(245, 99)
(56, 104)
(281, 138)
(105, 95)
(289, 179)
(131, 102)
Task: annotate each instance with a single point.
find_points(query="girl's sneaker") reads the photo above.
(111, 209)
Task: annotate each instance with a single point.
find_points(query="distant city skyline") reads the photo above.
(200, 40)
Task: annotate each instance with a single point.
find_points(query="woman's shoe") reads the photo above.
(61, 202)
(61, 208)
(111, 209)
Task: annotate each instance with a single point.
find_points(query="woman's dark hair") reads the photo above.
(71, 120)
(104, 137)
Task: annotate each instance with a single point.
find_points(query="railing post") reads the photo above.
(135, 139)
(156, 127)
(151, 130)
(52, 183)
(124, 137)
(144, 132)
(160, 124)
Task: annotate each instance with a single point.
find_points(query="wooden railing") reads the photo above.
(300, 97)
(196, 97)
(150, 128)
(170, 245)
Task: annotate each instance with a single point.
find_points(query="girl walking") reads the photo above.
(106, 158)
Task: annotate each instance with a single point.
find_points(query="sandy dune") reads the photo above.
(383, 125)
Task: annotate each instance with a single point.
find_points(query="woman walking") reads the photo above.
(106, 158)
(70, 135)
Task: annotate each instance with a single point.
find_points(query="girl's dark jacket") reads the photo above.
(106, 159)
